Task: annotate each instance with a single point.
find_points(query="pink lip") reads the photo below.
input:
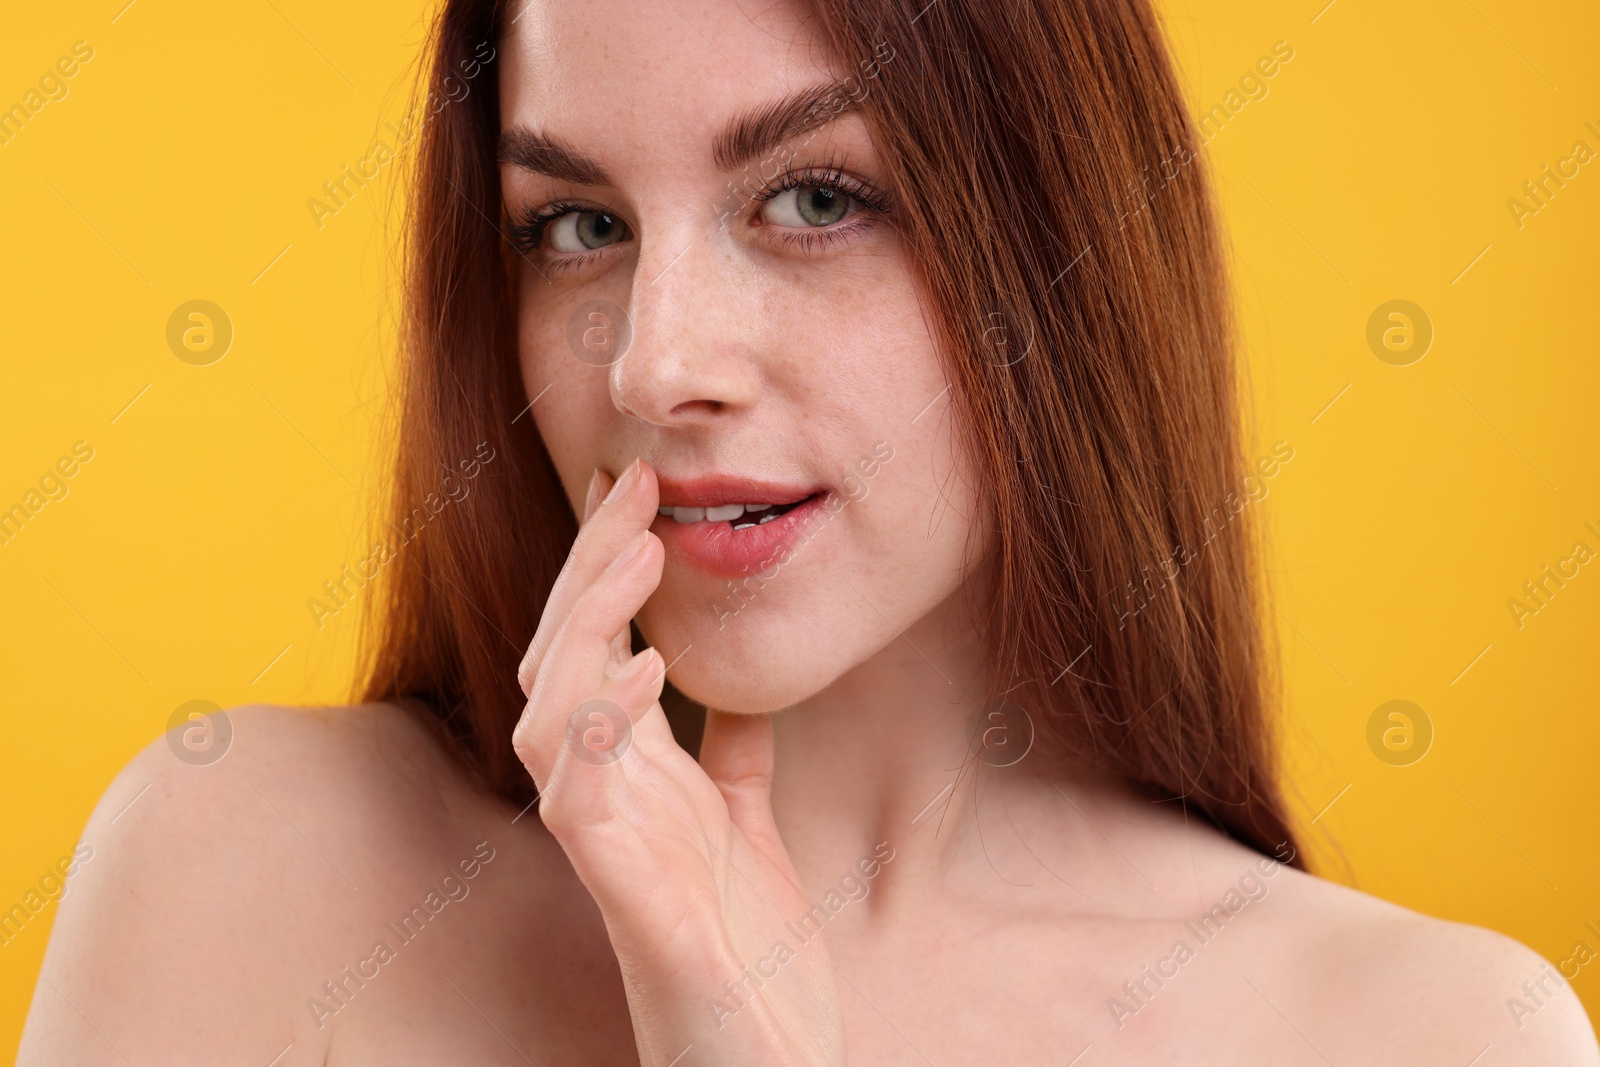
(716, 546)
(715, 490)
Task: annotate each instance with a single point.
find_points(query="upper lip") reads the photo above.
(717, 490)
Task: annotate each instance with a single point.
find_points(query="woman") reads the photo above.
(874, 359)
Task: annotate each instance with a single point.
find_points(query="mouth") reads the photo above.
(738, 516)
(731, 526)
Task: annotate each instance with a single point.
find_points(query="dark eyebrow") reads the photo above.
(546, 155)
(745, 137)
(766, 127)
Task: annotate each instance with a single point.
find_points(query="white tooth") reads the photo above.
(757, 507)
(725, 512)
(766, 519)
(688, 514)
(664, 511)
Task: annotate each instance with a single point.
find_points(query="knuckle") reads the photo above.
(522, 742)
(556, 816)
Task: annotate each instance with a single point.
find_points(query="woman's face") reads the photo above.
(711, 279)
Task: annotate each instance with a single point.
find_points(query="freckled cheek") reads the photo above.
(534, 352)
(539, 342)
(568, 440)
(901, 544)
(856, 346)
(571, 405)
(553, 370)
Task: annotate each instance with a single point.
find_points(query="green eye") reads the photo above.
(585, 231)
(807, 206)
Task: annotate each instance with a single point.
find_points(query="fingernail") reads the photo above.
(625, 484)
(629, 550)
(635, 666)
(591, 499)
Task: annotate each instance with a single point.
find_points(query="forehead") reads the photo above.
(611, 74)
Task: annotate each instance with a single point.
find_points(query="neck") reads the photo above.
(902, 753)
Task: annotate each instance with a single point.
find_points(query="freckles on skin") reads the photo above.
(784, 361)
(879, 563)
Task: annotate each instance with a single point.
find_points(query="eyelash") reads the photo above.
(830, 175)
(526, 233)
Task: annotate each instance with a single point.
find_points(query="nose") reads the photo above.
(691, 359)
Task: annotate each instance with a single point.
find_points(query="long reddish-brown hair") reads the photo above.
(1058, 218)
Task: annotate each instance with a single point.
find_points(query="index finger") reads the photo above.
(626, 510)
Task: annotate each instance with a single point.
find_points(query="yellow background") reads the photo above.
(1377, 167)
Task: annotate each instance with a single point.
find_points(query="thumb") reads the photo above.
(736, 752)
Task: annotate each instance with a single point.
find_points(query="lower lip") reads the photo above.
(719, 548)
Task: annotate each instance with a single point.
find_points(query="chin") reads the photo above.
(753, 662)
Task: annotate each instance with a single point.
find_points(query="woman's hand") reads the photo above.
(699, 898)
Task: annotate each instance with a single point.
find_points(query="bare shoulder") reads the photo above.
(1384, 984)
(223, 890)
